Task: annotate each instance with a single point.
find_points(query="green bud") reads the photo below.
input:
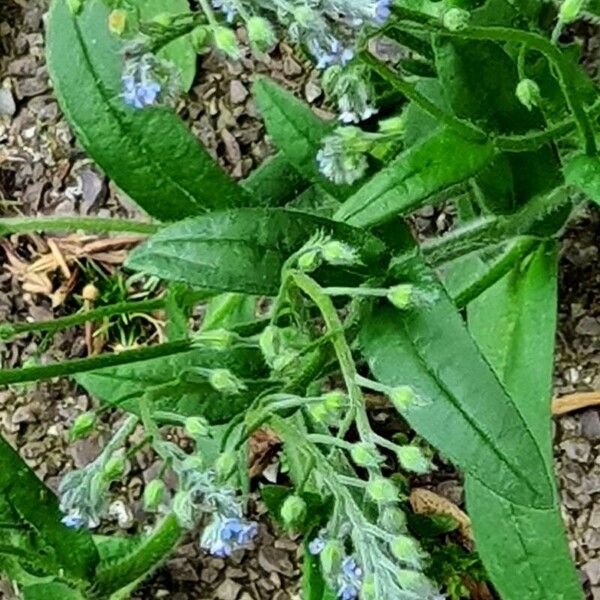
(223, 380)
(309, 260)
(114, 467)
(293, 511)
(412, 459)
(340, 254)
(528, 93)
(84, 425)
(365, 455)
(413, 581)
(197, 427)
(75, 6)
(304, 15)
(117, 21)
(163, 19)
(331, 558)
(219, 339)
(319, 413)
(402, 397)
(183, 509)
(269, 342)
(368, 589)
(570, 10)
(154, 495)
(401, 296)
(193, 462)
(393, 124)
(335, 400)
(226, 42)
(225, 465)
(260, 33)
(393, 519)
(456, 19)
(382, 490)
(406, 549)
(200, 38)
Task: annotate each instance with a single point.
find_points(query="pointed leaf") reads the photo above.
(583, 172)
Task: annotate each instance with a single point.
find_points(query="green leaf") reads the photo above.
(149, 153)
(410, 180)
(313, 583)
(463, 410)
(241, 251)
(296, 131)
(226, 310)
(51, 591)
(36, 509)
(181, 50)
(514, 323)
(583, 172)
(172, 386)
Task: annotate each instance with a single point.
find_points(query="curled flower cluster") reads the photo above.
(148, 80)
(342, 157)
(222, 536)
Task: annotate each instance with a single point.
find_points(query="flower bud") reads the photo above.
(309, 261)
(293, 511)
(412, 459)
(75, 6)
(84, 424)
(226, 42)
(331, 558)
(393, 519)
(154, 494)
(382, 490)
(405, 549)
(90, 292)
(528, 93)
(319, 413)
(200, 38)
(183, 509)
(117, 23)
(401, 296)
(365, 455)
(225, 465)
(225, 381)
(260, 33)
(414, 581)
(339, 254)
(335, 400)
(163, 19)
(114, 467)
(570, 10)
(193, 463)
(269, 342)
(368, 590)
(402, 397)
(197, 427)
(393, 124)
(456, 19)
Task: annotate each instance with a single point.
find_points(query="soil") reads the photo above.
(42, 171)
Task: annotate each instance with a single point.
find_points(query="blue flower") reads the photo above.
(316, 546)
(350, 579)
(74, 521)
(139, 94)
(348, 592)
(383, 11)
(351, 569)
(227, 8)
(223, 536)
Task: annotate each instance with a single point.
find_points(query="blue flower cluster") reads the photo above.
(227, 7)
(223, 536)
(349, 579)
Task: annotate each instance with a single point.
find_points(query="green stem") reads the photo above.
(83, 365)
(91, 224)
(409, 90)
(537, 42)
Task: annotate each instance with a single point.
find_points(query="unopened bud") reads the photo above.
(260, 33)
(331, 558)
(382, 490)
(570, 10)
(335, 400)
(393, 124)
(393, 519)
(406, 550)
(225, 381)
(402, 397)
(200, 38)
(225, 465)
(194, 463)
(117, 23)
(456, 19)
(293, 511)
(226, 42)
(90, 293)
(412, 459)
(319, 413)
(163, 19)
(339, 254)
(219, 339)
(270, 343)
(365, 455)
(154, 494)
(82, 426)
(114, 468)
(197, 427)
(401, 296)
(528, 93)
(309, 261)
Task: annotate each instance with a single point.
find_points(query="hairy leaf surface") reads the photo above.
(583, 172)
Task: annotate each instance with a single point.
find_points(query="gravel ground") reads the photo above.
(42, 171)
